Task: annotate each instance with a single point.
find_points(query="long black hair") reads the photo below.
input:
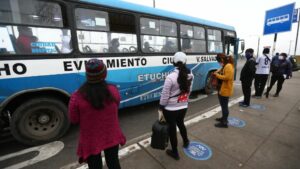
(183, 81)
(96, 94)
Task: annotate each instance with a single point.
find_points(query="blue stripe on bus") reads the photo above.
(158, 12)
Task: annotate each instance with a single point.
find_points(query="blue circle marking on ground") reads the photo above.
(236, 122)
(257, 107)
(198, 151)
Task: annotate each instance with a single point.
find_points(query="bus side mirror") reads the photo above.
(243, 45)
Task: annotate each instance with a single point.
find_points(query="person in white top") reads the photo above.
(174, 101)
(262, 72)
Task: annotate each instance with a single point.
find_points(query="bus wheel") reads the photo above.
(208, 86)
(40, 120)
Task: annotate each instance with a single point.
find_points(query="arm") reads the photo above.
(165, 95)
(252, 68)
(73, 109)
(228, 73)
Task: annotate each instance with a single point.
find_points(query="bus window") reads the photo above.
(192, 39)
(215, 44)
(34, 40)
(158, 36)
(31, 12)
(97, 34)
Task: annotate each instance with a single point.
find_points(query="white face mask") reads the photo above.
(280, 57)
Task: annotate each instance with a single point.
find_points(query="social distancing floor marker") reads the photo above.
(198, 151)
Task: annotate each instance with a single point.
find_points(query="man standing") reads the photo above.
(247, 76)
(281, 69)
(262, 72)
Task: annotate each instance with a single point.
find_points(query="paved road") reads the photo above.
(135, 123)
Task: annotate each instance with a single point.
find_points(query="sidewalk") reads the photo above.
(269, 140)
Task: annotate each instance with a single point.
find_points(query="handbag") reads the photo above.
(160, 135)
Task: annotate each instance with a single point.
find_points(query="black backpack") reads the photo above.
(160, 135)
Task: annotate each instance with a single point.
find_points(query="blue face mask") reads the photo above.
(248, 56)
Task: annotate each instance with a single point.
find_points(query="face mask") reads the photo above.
(280, 57)
(248, 56)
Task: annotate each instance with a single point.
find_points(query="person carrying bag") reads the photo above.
(174, 101)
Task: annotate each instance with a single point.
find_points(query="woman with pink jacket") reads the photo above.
(95, 108)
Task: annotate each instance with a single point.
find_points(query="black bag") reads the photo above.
(160, 135)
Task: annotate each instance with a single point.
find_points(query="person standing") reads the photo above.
(174, 101)
(281, 69)
(226, 75)
(95, 108)
(247, 76)
(262, 72)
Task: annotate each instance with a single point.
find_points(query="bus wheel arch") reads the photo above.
(40, 117)
(208, 88)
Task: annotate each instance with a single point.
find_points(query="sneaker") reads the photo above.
(172, 154)
(219, 119)
(186, 144)
(221, 125)
(240, 103)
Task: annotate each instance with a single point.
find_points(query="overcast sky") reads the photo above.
(247, 16)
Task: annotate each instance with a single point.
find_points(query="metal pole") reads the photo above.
(290, 47)
(153, 3)
(274, 44)
(258, 43)
(297, 36)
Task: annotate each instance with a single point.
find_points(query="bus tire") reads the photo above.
(208, 87)
(40, 120)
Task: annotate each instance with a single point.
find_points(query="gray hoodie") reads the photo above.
(170, 97)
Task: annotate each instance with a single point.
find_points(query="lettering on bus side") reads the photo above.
(153, 76)
(16, 68)
(110, 63)
(167, 60)
(206, 59)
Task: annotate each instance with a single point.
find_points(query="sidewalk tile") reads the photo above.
(289, 136)
(274, 155)
(233, 141)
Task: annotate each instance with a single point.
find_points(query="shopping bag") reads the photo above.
(160, 135)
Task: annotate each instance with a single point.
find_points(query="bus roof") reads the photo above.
(159, 12)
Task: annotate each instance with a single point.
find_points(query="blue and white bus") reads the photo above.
(45, 43)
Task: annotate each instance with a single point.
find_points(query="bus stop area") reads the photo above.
(265, 136)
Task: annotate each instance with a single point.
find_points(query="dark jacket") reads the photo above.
(281, 67)
(248, 71)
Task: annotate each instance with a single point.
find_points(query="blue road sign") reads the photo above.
(236, 122)
(198, 151)
(279, 19)
(295, 15)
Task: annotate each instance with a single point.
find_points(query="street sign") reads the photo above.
(279, 19)
(295, 15)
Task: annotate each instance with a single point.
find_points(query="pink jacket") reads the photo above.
(99, 129)
(170, 96)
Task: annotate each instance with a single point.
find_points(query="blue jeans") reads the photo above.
(224, 105)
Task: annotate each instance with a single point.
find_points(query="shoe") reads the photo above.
(240, 103)
(186, 144)
(221, 125)
(276, 95)
(267, 94)
(172, 154)
(219, 119)
(244, 105)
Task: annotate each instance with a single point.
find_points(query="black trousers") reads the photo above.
(224, 105)
(174, 118)
(260, 83)
(111, 158)
(246, 87)
(276, 78)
